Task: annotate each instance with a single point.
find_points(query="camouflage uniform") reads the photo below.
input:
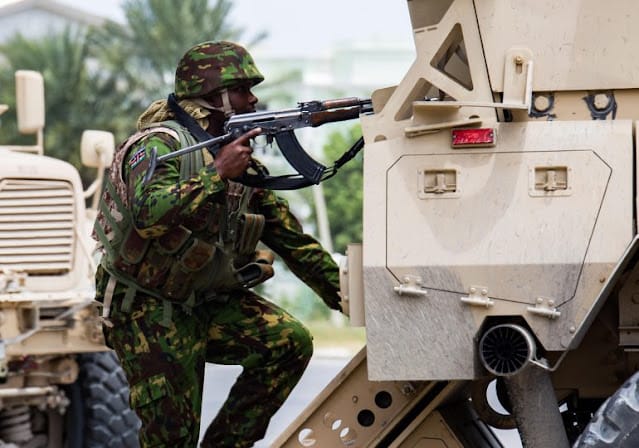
(163, 345)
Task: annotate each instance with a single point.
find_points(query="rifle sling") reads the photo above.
(348, 155)
(189, 123)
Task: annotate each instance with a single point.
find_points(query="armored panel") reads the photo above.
(576, 44)
(502, 215)
(531, 227)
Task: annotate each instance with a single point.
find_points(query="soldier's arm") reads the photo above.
(302, 253)
(163, 201)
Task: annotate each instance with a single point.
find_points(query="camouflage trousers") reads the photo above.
(165, 366)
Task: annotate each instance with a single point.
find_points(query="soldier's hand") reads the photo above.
(233, 158)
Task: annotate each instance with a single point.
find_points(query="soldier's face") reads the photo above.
(242, 99)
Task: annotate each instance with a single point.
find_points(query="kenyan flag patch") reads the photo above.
(136, 158)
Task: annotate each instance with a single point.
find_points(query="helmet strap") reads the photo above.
(226, 103)
(226, 108)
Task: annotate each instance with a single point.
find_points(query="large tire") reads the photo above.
(616, 422)
(99, 414)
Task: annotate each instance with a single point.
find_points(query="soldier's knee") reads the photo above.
(302, 341)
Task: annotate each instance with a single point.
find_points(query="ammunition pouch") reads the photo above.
(168, 264)
(257, 271)
(182, 268)
(259, 268)
(131, 253)
(179, 282)
(250, 227)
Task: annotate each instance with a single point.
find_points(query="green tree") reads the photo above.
(343, 192)
(143, 52)
(74, 99)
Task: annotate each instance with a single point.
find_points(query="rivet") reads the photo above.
(601, 101)
(542, 102)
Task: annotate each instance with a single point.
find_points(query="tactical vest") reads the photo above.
(211, 253)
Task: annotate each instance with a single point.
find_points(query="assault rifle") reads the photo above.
(279, 126)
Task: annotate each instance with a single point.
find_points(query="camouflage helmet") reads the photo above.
(212, 66)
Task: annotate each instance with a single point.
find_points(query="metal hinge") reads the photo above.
(411, 286)
(546, 309)
(478, 296)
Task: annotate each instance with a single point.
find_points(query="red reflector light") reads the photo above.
(462, 138)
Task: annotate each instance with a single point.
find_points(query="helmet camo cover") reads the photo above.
(212, 66)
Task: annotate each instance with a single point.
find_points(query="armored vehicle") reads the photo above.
(497, 277)
(59, 384)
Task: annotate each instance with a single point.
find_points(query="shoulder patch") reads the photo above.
(136, 158)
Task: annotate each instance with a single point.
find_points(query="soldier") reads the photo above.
(180, 256)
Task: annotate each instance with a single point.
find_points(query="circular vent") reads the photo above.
(506, 349)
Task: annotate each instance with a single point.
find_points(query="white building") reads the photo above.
(354, 69)
(37, 18)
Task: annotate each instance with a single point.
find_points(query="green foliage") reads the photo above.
(142, 60)
(75, 100)
(343, 192)
(142, 53)
(61, 62)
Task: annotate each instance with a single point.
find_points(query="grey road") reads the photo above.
(320, 371)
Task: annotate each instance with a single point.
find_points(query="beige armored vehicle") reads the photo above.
(59, 386)
(498, 277)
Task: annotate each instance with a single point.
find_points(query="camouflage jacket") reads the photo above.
(170, 199)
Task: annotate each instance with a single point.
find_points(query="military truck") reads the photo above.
(497, 277)
(59, 384)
